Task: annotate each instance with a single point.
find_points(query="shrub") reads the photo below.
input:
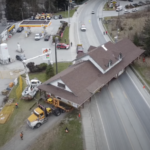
(130, 28)
(59, 38)
(136, 40)
(127, 6)
(49, 71)
(43, 66)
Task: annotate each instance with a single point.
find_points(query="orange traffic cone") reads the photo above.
(79, 115)
(144, 87)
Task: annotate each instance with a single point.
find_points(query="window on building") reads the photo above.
(61, 85)
(120, 56)
(110, 63)
(59, 98)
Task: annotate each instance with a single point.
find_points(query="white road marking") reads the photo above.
(138, 90)
(102, 125)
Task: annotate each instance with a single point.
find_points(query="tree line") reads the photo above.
(16, 8)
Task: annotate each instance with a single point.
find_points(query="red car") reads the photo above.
(62, 46)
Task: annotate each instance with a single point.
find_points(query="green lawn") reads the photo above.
(17, 118)
(65, 13)
(19, 115)
(66, 36)
(58, 139)
(141, 71)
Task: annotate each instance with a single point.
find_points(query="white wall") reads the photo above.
(66, 101)
(55, 83)
(4, 35)
(96, 65)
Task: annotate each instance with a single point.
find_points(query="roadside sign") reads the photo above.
(70, 1)
(47, 56)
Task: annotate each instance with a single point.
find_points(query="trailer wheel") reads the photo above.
(38, 125)
(57, 112)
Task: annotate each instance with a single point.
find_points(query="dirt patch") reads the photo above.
(126, 25)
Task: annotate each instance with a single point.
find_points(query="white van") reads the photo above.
(120, 8)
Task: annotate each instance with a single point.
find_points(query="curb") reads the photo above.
(141, 79)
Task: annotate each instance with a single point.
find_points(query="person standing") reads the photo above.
(21, 135)
(16, 105)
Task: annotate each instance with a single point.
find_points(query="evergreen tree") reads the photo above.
(50, 71)
(13, 11)
(136, 40)
(146, 37)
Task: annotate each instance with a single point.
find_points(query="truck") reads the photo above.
(37, 17)
(40, 116)
(43, 17)
(30, 91)
(80, 48)
(48, 16)
(41, 113)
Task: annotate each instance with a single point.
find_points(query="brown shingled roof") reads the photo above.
(84, 78)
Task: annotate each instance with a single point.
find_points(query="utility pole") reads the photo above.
(68, 14)
(65, 10)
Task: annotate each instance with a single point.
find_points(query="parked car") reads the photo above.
(126, 11)
(38, 36)
(147, 2)
(47, 37)
(135, 4)
(60, 17)
(56, 17)
(83, 28)
(93, 12)
(20, 29)
(20, 57)
(140, 3)
(134, 9)
(120, 8)
(130, 0)
(62, 46)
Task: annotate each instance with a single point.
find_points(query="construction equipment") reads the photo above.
(43, 17)
(37, 17)
(48, 16)
(56, 103)
(31, 90)
(40, 116)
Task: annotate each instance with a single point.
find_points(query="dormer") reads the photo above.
(60, 84)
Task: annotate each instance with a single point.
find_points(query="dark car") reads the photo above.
(135, 4)
(20, 57)
(147, 2)
(20, 29)
(47, 37)
(60, 16)
(130, 0)
(62, 46)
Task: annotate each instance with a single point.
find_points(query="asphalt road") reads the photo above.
(119, 107)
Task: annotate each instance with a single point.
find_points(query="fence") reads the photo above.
(19, 88)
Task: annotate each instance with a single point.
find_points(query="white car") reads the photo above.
(38, 36)
(126, 11)
(83, 28)
(93, 12)
(134, 9)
